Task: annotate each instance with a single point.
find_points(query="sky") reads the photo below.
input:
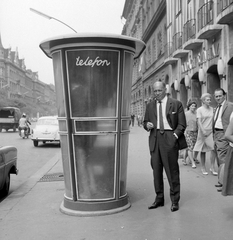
(24, 30)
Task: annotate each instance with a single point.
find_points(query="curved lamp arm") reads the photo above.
(49, 17)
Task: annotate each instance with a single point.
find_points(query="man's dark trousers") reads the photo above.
(165, 155)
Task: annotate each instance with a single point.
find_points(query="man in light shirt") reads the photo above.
(220, 123)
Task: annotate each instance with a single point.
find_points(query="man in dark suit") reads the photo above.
(165, 140)
(220, 122)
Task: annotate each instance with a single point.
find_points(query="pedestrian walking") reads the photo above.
(165, 119)
(220, 122)
(205, 141)
(139, 118)
(227, 185)
(191, 132)
(132, 119)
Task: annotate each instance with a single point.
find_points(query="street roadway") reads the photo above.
(30, 158)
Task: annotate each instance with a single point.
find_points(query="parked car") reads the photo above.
(8, 165)
(46, 130)
(9, 118)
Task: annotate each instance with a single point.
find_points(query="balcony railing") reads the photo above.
(177, 41)
(223, 4)
(189, 30)
(205, 15)
(168, 50)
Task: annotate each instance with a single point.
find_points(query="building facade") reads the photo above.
(18, 82)
(188, 47)
(146, 20)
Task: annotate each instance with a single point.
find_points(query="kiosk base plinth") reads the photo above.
(88, 209)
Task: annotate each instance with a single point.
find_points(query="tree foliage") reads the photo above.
(27, 106)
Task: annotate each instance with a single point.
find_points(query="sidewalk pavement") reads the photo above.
(32, 211)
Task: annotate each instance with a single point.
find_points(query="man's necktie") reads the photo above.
(161, 126)
(216, 118)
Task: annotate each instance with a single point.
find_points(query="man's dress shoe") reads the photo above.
(175, 207)
(156, 205)
(218, 185)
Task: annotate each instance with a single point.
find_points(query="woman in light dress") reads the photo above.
(205, 142)
(227, 187)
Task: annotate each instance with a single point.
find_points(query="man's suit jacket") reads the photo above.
(227, 109)
(175, 117)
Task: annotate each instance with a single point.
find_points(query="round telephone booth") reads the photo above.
(93, 76)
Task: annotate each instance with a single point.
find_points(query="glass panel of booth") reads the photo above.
(127, 83)
(62, 125)
(95, 125)
(59, 84)
(125, 123)
(95, 160)
(123, 163)
(66, 166)
(93, 80)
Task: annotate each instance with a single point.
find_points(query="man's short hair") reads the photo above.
(220, 89)
(163, 83)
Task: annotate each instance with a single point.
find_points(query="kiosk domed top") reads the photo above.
(92, 39)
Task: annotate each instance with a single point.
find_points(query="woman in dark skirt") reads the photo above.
(227, 188)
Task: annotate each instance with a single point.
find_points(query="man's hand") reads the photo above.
(149, 125)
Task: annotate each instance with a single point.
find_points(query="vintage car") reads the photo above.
(46, 130)
(8, 165)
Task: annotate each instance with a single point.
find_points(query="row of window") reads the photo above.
(138, 95)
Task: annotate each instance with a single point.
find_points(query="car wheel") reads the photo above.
(6, 187)
(35, 143)
(44, 142)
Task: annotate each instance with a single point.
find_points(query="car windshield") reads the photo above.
(47, 122)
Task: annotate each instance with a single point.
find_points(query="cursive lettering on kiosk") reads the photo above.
(91, 62)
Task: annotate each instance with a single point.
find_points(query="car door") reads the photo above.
(2, 170)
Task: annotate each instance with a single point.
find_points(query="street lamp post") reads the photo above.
(49, 17)
(7, 85)
(5, 92)
(24, 94)
(38, 99)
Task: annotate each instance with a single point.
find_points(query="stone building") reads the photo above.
(146, 20)
(18, 82)
(188, 47)
(200, 32)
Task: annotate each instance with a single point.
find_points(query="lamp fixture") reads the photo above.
(220, 67)
(176, 85)
(201, 76)
(168, 91)
(187, 81)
